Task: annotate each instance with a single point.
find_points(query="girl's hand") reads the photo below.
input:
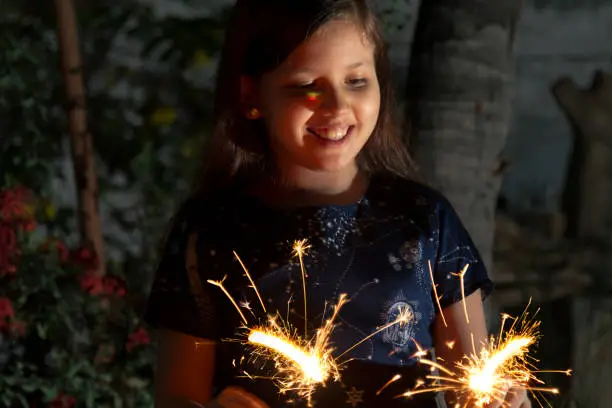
(236, 397)
(514, 398)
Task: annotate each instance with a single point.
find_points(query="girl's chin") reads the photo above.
(336, 165)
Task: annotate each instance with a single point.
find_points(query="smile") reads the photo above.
(332, 134)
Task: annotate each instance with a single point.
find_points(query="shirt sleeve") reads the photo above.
(178, 300)
(456, 250)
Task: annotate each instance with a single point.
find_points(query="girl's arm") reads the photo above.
(459, 331)
(184, 377)
(185, 367)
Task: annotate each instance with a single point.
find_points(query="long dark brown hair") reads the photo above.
(260, 36)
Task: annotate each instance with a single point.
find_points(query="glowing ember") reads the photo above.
(309, 364)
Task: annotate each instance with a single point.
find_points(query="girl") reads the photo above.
(305, 146)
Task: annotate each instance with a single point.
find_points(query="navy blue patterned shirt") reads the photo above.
(375, 251)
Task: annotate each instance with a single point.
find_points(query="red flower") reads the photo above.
(62, 251)
(95, 284)
(15, 211)
(113, 286)
(63, 401)
(17, 328)
(91, 283)
(138, 338)
(12, 205)
(29, 225)
(6, 313)
(60, 247)
(8, 249)
(6, 309)
(16, 208)
(105, 354)
(85, 257)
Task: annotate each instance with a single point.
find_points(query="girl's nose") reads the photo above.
(333, 101)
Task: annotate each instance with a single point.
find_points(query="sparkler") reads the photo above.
(302, 363)
(481, 378)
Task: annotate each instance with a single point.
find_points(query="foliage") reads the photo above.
(30, 78)
(67, 336)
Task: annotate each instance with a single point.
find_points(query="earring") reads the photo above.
(253, 114)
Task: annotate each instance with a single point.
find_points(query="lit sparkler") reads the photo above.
(302, 363)
(501, 364)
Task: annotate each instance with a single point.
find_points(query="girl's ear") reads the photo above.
(248, 92)
(249, 99)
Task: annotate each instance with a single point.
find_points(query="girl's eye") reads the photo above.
(358, 82)
(306, 85)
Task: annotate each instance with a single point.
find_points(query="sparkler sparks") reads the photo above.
(299, 249)
(395, 378)
(481, 378)
(484, 377)
(302, 363)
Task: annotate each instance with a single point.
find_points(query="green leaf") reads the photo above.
(23, 400)
(136, 382)
(72, 372)
(106, 377)
(7, 398)
(41, 331)
(9, 380)
(49, 391)
(89, 396)
(30, 386)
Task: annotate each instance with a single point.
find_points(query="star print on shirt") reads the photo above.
(354, 397)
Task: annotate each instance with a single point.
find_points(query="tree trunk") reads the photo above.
(80, 139)
(588, 207)
(588, 192)
(459, 102)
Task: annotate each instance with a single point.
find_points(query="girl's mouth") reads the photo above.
(332, 134)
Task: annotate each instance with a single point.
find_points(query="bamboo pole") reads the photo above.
(81, 142)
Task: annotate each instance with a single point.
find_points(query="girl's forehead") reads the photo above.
(339, 43)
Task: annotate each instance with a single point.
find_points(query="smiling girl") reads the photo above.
(305, 145)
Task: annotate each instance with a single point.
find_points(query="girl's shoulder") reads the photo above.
(401, 194)
(209, 213)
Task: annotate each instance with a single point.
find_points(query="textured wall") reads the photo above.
(554, 41)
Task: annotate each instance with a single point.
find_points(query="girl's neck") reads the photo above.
(313, 188)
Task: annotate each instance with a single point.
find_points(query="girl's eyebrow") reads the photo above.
(356, 65)
(307, 70)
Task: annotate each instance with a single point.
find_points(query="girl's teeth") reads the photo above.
(331, 134)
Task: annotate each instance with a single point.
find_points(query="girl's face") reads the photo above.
(321, 105)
